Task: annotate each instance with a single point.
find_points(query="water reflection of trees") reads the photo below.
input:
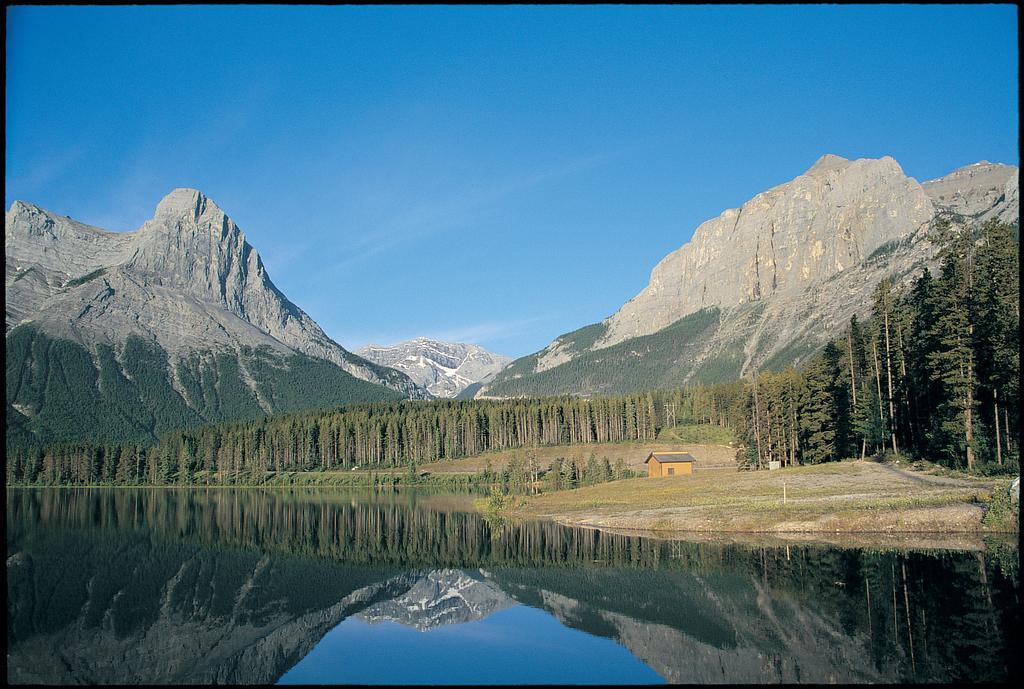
(937, 616)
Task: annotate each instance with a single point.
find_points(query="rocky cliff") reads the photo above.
(445, 369)
(767, 283)
(979, 192)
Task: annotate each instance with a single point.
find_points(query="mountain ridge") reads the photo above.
(785, 267)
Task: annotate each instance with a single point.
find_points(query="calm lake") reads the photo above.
(234, 585)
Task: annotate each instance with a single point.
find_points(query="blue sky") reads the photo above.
(499, 175)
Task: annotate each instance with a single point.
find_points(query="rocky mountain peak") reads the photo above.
(828, 162)
(185, 202)
(18, 207)
(192, 244)
(444, 368)
(441, 597)
(186, 279)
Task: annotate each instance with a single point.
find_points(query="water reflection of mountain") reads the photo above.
(726, 630)
(237, 586)
(132, 609)
(447, 596)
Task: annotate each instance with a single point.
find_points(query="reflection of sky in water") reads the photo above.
(518, 645)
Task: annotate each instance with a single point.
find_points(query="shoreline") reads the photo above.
(974, 540)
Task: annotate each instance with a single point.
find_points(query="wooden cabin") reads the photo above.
(669, 464)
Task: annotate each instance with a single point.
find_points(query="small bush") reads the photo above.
(999, 514)
(1010, 467)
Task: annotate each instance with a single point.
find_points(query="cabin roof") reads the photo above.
(668, 457)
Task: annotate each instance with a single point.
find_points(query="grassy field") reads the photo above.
(633, 454)
(846, 497)
(702, 434)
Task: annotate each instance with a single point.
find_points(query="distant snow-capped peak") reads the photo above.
(444, 368)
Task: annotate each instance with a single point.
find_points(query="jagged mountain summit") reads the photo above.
(445, 369)
(766, 284)
(186, 293)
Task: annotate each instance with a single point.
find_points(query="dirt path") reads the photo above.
(918, 477)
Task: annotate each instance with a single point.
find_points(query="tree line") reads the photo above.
(367, 436)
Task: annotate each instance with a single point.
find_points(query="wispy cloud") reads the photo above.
(155, 163)
(456, 210)
(281, 257)
(45, 169)
(484, 333)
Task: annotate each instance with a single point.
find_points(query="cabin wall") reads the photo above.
(655, 469)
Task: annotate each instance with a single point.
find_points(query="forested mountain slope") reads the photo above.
(780, 273)
(125, 335)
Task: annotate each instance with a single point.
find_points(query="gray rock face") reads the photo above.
(980, 191)
(795, 262)
(444, 368)
(186, 279)
(779, 243)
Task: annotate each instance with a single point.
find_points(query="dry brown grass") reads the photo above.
(840, 497)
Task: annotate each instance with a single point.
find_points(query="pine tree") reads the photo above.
(592, 472)
(997, 336)
(569, 475)
(620, 468)
(882, 311)
(951, 364)
(818, 410)
(865, 425)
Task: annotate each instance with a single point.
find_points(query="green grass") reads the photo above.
(999, 513)
(701, 434)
